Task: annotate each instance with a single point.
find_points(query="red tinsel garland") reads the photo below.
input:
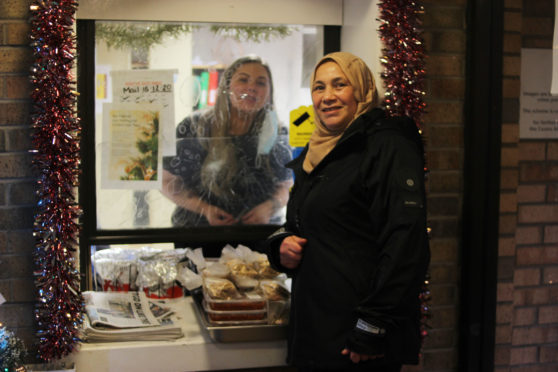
(403, 60)
(56, 131)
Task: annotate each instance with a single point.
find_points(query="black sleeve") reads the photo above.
(394, 175)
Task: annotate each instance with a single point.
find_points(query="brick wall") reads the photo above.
(17, 184)
(445, 36)
(527, 311)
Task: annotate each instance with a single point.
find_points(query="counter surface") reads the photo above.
(196, 351)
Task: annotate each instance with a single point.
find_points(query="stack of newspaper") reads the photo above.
(131, 316)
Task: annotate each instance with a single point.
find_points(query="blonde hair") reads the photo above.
(220, 166)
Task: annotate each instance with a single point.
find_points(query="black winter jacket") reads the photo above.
(363, 212)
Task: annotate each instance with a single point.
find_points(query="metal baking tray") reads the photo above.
(238, 333)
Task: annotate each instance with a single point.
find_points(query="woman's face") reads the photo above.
(250, 88)
(333, 97)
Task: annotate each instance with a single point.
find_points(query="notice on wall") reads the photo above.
(538, 108)
(131, 155)
(153, 87)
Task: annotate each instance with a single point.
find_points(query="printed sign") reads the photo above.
(301, 126)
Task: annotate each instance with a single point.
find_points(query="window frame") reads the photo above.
(211, 239)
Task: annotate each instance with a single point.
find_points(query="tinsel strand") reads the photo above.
(55, 141)
(403, 58)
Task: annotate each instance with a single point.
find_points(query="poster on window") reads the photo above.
(149, 86)
(538, 108)
(130, 153)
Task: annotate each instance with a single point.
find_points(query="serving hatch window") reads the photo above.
(192, 121)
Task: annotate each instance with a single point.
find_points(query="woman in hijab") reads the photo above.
(229, 168)
(355, 241)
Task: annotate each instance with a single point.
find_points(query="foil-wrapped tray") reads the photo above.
(238, 333)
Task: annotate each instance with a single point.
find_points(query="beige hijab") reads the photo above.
(360, 77)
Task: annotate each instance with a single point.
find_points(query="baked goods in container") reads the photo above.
(220, 288)
(274, 290)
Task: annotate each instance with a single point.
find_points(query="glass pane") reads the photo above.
(182, 118)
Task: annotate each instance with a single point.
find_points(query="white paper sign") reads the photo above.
(554, 86)
(2, 299)
(538, 109)
(130, 148)
(149, 86)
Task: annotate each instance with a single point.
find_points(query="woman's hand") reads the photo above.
(356, 357)
(290, 251)
(217, 217)
(260, 214)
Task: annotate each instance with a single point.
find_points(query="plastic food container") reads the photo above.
(235, 317)
(244, 301)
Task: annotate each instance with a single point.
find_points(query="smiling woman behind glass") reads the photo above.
(229, 165)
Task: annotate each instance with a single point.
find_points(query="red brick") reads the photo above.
(444, 159)
(524, 316)
(510, 132)
(444, 250)
(528, 235)
(446, 136)
(512, 44)
(504, 313)
(538, 213)
(23, 290)
(509, 156)
(443, 17)
(14, 113)
(503, 334)
(15, 165)
(537, 25)
(443, 317)
(523, 355)
(548, 314)
(444, 113)
(552, 150)
(538, 172)
(445, 41)
(509, 179)
(512, 21)
(440, 338)
(531, 296)
(449, 88)
(507, 224)
(552, 195)
(17, 315)
(502, 355)
(525, 277)
(14, 9)
(511, 66)
(15, 59)
(442, 295)
(530, 255)
(532, 150)
(440, 359)
(551, 234)
(531, 193)
(444, 181)
(534, 335)
(513, 4)
(445, 65)
(505, 292)
(550, 275)
(506, 246)
(508, 202)
(18, 87)
(549, 353)
(17, 32)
